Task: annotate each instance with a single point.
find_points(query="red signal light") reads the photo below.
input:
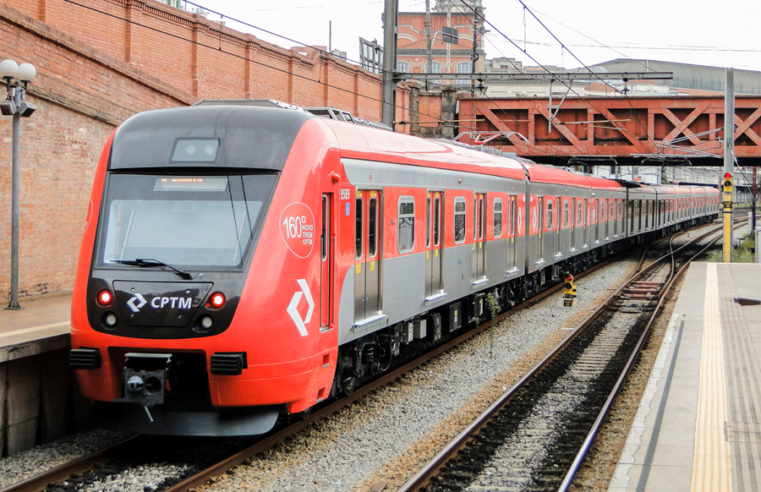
(727, 175)
(105, 297)
(217, 300)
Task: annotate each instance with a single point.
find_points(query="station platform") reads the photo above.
(698, 426)
(42, 326)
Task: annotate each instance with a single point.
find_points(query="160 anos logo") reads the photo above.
(159, 302)
(297, 229)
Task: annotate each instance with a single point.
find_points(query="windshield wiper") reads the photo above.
(148, 263)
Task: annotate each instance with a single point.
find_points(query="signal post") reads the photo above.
(726, 197)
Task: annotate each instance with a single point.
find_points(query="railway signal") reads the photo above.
(569, 296)
(727, 185)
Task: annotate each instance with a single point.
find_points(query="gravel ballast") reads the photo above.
(39, 459)
(382, 427)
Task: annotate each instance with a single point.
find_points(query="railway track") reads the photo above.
(538, 433)
(99, 463)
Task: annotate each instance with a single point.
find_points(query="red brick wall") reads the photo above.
(97, 69)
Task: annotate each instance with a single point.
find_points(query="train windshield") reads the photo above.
(205, 221)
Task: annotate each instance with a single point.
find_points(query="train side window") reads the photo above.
(406, 233)
(372, 227)
(565, 213)
(612, 214)
(497, 217)
(475, 214)
(459, 220)
(325, 228)
(481, 217)
(578, 212)
(358, 229)
(428, 221)
(549, 214)
(436, 221)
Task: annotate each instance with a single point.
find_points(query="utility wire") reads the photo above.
(219, 49)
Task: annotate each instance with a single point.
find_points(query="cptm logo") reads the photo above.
(293, 307)
(138, 301)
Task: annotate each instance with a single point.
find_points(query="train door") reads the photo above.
(327, 247)
(575, 220)
(367, 254)
(434, 253)
(512, 232)
(585, 215)
(540, 227)
(478, 255)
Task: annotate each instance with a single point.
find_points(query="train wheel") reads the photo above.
(348, 384)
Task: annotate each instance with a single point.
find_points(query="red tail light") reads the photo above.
(217, 300)
(105, 297)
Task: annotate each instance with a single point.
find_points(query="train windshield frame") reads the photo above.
(208, 222)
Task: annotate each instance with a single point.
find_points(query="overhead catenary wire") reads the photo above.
(220, 50)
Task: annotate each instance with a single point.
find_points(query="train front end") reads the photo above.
(183, 314)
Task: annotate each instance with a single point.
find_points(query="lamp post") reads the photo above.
(16, 78)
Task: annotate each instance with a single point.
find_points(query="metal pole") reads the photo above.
(15, 206)
(729, 164)
(389, 63)
(754, 192)
(475, 52)
(330, 36)
(428, 47)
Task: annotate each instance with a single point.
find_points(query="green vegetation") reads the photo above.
(491, 303)
(741, 254)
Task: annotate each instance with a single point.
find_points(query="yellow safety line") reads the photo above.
(711, 467)
(34, 328)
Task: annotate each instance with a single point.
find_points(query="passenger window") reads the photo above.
(428, 221)
(436, 221)
(578, 212)
(459, 220)
(549, 214)
(372, 227)
(497, 217)
(406, 232)
(358, 230)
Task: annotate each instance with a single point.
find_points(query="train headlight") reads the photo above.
(105, 297)
(217, 300)
(206, 322)
(109, 319)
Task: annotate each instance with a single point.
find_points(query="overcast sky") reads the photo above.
(725, 33)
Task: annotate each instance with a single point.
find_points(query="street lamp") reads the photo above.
(16, 78)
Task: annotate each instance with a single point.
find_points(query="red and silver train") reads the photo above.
(243, 262)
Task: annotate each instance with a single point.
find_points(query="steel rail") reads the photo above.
(64, 471)
(422, 477)
(605, 410)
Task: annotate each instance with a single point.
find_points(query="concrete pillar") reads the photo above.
(414, 109)
(448, 112)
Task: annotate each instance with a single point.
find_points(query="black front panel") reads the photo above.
(159, 303)
(157, 287)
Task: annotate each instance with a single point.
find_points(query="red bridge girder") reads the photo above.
(615, 126)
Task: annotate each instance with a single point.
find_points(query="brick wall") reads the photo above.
(101, 61)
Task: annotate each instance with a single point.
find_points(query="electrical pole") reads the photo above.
(729, 164)
(388, 104)
(474, 55)
(428, 47)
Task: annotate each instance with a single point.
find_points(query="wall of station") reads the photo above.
(101, 61)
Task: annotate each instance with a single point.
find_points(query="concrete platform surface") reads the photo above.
(41, 326)
(698, 426)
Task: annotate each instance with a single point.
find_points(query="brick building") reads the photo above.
(101, 61)
(454, 58)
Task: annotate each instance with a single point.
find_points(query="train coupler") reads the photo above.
(145, 379)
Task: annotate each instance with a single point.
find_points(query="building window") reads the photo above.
(402, 66)
(436, 68)
(459, 220)
(406, 237)
(464, 67)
